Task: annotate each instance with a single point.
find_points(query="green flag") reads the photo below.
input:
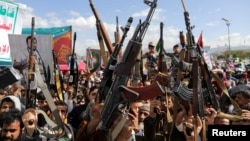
(158, 46)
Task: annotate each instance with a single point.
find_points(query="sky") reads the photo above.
(205, 15)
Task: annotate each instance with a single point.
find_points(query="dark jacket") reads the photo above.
(74, 116)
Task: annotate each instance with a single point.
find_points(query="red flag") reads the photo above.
(200, 41)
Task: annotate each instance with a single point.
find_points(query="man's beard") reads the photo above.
(141, 126)
(11, 139)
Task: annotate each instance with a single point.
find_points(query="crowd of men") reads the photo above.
(164, 118)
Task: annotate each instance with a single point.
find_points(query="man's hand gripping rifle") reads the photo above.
(194, 57)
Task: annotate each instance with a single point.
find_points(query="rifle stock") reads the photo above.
(101, 44)
(124, 70)
(142, 93)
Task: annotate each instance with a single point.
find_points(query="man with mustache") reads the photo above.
(11, 124)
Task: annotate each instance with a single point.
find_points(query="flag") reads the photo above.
(10, 23)
(62, 40)
(200, 41)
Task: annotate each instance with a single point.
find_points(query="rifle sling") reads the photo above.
(49, 122)
(119, 127)
(58, 86)
(225, 91)
(49, 99)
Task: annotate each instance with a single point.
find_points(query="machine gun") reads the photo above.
(115, 102)
(32, 81)
(73, 76)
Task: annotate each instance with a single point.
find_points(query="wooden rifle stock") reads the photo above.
(144, 93)
(102, 28)
(162, 79)
(101, 44)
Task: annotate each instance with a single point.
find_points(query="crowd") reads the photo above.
(164, 118)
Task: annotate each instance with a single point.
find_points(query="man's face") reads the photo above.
(241, 100)
(34, 45)
(63, 112)
(176, 50)
(11, 132)
(151, 48)
(6, 106)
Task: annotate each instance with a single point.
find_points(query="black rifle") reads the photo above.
(32, 84)
(73, 76)
(109, 69)
(117, 33)
(124, 69)
(58, 77)
(198, 104)
(161, 62)
(194, 58)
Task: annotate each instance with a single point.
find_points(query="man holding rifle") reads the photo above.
(152, 59)
(38, 57)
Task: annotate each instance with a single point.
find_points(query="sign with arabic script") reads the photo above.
(8, 25)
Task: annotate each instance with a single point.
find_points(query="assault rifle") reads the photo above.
(115, 102)
(58, 77)
(198, 100)
(161, 61)
(194, 58)
(32, 82)
(110, 67)
(73, 76)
